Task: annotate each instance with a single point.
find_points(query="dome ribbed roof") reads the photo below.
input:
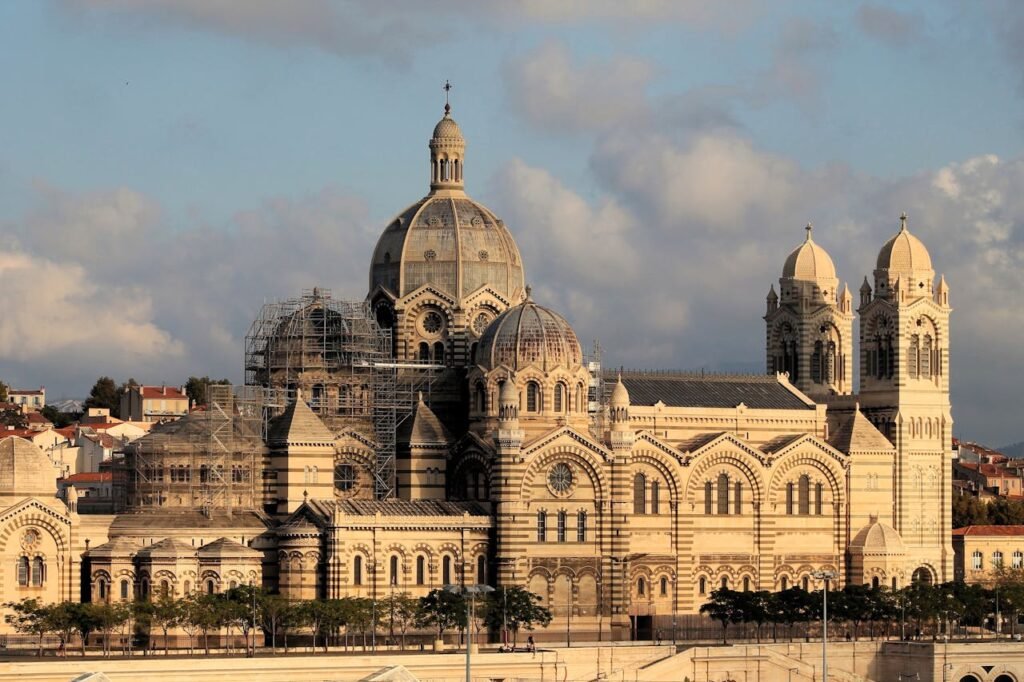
(809, 261)
(447, 128)
(620, 396)
(25, 470)
(904, 253)
(878, 537)
(451, 242)
(526, 335)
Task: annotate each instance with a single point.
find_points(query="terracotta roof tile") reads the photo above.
(996, 531)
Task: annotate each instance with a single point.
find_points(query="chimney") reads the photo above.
(163, 389)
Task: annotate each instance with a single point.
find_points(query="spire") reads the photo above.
(903, 222)
(810, 229)
(447, 106)
(447, 150)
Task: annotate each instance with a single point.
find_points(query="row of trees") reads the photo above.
(972, 511)
(923, 608)
(247, 611)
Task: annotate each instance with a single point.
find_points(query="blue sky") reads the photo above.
(170, 164)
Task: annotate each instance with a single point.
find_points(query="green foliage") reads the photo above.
(197, 388)
(971, 511)
(515, 608)
(4, 388)
(58, 419)
(12, 416)
(442, 610)
(104, 394)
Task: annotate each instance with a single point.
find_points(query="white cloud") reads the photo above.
(554, 91)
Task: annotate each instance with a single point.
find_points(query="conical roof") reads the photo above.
(25, 470)
(854, 433)
(298, 425)
(424, 427)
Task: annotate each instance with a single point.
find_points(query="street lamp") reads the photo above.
(472, 591)
(826, 576)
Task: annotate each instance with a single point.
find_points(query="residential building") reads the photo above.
(154, 403)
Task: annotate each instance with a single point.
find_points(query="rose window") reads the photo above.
(560, 477)
(480, 322)
(432, 323)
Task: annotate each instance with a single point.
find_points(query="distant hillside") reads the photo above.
(1015, 450)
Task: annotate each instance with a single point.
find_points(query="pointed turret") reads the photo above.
(846, 299)
(865, 292)
(942, 292)
(302, 453)
(422, 465)
(773, 300)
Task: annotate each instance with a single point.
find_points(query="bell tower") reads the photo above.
(809, 323)
(904, 392)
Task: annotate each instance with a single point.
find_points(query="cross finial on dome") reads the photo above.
(529, 293)
(447, 87)
(903, 221)
(809, 228)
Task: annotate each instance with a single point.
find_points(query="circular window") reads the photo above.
(30, 538)
(344, 477)
(480, 322)
(560, 477)
(432, 323)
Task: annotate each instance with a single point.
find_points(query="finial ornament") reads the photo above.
(447, 88)
(809, 228)
(529, 293)
(903, 221)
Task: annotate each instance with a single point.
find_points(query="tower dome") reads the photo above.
(529, 335)
(25, 470)
(447, 239)
(904, 253)
(809, 261)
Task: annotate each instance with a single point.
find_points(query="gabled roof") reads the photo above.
(298, 425)
(228, 547)
(396, 507)
(684, 389)
(854, 433)
(169, 547)
(119, 546)
(995, 531)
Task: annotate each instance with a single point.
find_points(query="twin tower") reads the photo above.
(903, 370)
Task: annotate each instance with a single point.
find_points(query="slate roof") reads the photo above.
(167, 519)
(299, 425)
(683, 389)
(853, 432)
(698, 441)
(395, 507)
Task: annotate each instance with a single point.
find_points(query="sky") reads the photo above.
(167, 166)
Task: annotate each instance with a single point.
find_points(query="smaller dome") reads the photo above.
(508, 394)
(620, 396)
(447, 129)
(809, 261)
(529, 334)
(878, 538)
(25, 470)
(904, 253)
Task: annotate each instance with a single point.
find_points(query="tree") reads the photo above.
(86, 619)
(31, 618)
(104, 394)
(198, 388)
(165, 612)
(441, 610)
(245, 614)
(13, 417)
(4, 388)
(514, 608)
(723, 607)
(58, 419)
(794, 605)
(273, 615)
(399, 612)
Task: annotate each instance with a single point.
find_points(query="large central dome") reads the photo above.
(446, 239)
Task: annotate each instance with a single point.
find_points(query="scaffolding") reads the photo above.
(595, 389)
(209, 460)
(341, 359)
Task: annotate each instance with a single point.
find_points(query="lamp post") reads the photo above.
(826, 576)
(472, 591)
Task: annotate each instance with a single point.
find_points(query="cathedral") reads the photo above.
(622, 500)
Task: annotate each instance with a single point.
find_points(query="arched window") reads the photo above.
(38, 572)
(561, 526)
(702, 585)
(806, 584)
(723, 494)
(894, 584)
(101, 587)
(357, 570)
(784, 583)
(165, 588)
(664, 586)
(725, 582)
(581, 526)
(232, 585)
(559, 398)
(805, 495)
(641, 587)
(532, 397)
(708, 495)
(421, 570)
(446, 570)
(186, 588)
(819, 493)
(816, 363)
(639, 494)
(746, 583)
(481, 570)
(926, 357)
(124, 590)
(394, 570)
(439, 353)
(344, 477)
(542, 526)
(481, 398)
(424, 351)
(737, 502)
(210, 587)
(655, 492)
(23, 571)
(875, 583)
(913, 353)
